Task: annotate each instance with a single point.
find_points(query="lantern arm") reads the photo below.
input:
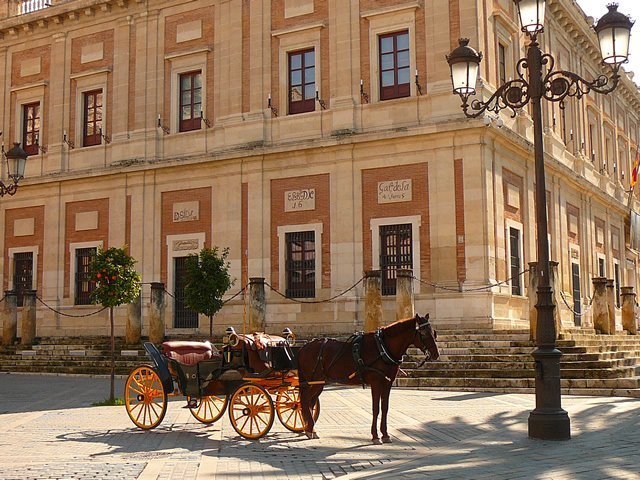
(513, 95)
(9, 189)
(560, 84)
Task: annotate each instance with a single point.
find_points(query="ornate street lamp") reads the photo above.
(548, 421)
(16, 162)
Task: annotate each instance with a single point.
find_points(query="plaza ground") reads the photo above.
(49, 430)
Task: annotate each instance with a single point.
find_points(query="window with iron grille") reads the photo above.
(300, 264)
(22, 274)
(84, 284)
(394, 65)
(514, 257)
(183, 316)
(575, 282)
(302, 81)
(31, 127)
(616, 282)
(502, 64)
(190, 101)
(92, 126)
(396, 251)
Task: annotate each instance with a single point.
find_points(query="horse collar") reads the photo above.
(382, 349)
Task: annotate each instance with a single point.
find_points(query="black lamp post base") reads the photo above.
(554, 425)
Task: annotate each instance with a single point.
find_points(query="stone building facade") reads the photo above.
(317, 139)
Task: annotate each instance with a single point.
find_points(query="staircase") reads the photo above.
(605, 365)
(72, 355)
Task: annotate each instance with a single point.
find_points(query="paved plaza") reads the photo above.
(49, 430)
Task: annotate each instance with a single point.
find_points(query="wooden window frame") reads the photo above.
(95, 138)
(195, 122)
(83, 277)
(397, 89)
(305, 104)
(303, 288)
(31, 125)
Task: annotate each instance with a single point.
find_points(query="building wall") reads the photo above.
(166, 193)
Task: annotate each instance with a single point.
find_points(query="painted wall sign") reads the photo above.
(395, 191)
(299, 200)
(186, 211)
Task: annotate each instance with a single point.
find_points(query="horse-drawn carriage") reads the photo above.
(243, 377)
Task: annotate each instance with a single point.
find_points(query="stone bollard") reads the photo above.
(600, 306)
(372, 301)
(554, 282)
(28, 318)
(257, 305)
(629, 311)
(611, 306)
(9, 318)
(134, 321)
(405, 307)
(156, 313)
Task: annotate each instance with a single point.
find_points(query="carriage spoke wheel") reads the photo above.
(251, 411)
(210, 408)
(289, 409)
(145, 398)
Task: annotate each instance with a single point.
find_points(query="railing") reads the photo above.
(28, 6)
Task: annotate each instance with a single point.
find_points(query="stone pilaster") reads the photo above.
(257, 305)
(9, 315)
(600, 306)
(629, 321)
(372, 301)
(405, 307)
(28, 318)
(134, 321)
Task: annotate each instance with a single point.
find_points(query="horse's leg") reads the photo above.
(375, 401)
(308, 396)
(386, 391)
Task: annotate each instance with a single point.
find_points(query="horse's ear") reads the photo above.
(427, 317)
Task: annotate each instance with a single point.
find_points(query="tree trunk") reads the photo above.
(113, 358)
(210, 327)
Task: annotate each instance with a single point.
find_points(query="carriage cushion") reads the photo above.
(260, 340)
(189, 353)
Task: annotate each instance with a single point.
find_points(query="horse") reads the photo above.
(366, 358)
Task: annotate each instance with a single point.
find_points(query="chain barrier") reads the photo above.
(564, 299)
(327, 300)
(2, 299)
(68, 314)
(182, 302)
(477, 289)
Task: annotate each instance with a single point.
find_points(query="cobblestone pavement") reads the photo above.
(48, 430)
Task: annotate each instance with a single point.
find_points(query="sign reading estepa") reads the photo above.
(299, 200)
(186, 211)
(395, 191)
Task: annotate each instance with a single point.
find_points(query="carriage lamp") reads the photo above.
(231, 337)
(537, 78)
(16, 159)
(289, 336)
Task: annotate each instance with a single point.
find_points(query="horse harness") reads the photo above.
(383, 354)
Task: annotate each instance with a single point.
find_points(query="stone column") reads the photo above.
(405, 307)
(156, 313)
(257, 305)
(372, 301)
(134, 321)
(629, 311)
(9, 314)
(554, 281)
(600, 306)
(611, 306)
(28, 318)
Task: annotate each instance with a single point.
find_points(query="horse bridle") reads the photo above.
(421, 328)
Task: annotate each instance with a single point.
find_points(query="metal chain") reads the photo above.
(477, 289)
(571, 308)
(327, 300)
(223, 303)
(68, 314)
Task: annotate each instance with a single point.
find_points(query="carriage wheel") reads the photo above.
(251, 411)
(145, 398)
(290, 411)
(211, 408)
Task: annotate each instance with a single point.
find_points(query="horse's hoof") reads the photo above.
(311, 435)
(376, 441)
(386, 440)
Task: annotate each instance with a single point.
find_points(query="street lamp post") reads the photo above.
(548, 420)
(16, 162)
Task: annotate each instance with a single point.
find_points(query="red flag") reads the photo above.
(634, 172)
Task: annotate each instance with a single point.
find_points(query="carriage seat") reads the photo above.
(189, 353)
(260, 341)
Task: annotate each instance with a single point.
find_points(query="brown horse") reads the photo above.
(369, 358)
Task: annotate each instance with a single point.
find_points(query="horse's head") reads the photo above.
(425, 337)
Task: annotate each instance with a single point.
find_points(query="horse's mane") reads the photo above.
(396, 325)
